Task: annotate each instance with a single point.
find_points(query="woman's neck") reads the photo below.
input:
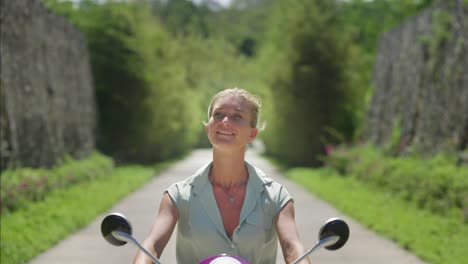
(228, 169)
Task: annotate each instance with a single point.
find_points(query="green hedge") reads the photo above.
(436, 183)
(436, 239)
(22, 186)
(36, 227)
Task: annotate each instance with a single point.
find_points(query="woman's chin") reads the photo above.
(224, 145)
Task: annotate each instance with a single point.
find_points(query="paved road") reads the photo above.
(87, 246)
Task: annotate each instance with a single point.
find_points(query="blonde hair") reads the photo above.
(252, 100)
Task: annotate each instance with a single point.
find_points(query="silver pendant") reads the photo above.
(231, 199)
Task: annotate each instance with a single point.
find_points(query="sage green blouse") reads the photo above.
(200, 230)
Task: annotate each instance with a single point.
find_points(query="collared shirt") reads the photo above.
(200, 230)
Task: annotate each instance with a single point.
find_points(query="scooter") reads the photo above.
(117, 230)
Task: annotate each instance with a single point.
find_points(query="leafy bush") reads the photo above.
(436, 183)
(23, 186)
(66, 210)
(436, 239)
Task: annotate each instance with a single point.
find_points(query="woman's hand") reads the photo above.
(161, 231)
(288, 236)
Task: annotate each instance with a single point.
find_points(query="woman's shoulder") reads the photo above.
(184, 186)
(273, 194)
(262, 179)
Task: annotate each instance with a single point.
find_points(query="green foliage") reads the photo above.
(156, 67)
(370, 18)
(22, 186)
(242, 27)
(436, 239)
(154, 80)
(123, 49)
(147, 109)
(184, 17)
(314, 77)
(436, 184)
(61, 7)
(35, 228)
(396, 144)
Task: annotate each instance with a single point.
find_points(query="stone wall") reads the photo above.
(47, 96)
(421, 82)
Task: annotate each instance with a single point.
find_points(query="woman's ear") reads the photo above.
(253, 134)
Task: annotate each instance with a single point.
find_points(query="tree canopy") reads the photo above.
(156, 65)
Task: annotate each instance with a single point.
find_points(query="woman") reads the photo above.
(228, 206)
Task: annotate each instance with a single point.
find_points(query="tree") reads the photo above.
(315, 90)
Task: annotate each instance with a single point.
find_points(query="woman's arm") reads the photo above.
(288, 236)
(161, 232)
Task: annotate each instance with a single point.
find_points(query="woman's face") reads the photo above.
(229, 123)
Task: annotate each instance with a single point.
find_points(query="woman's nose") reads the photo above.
(226, 120)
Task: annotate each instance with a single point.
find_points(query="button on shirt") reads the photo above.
(200, 230)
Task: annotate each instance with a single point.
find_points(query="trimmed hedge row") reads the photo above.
(23, 186)
(436, 183)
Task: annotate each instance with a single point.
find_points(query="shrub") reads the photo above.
(25, 185)
(436, 183)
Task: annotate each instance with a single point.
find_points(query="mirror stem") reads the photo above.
(322, 243)
(128, 238)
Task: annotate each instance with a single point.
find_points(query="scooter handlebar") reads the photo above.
(117, 230)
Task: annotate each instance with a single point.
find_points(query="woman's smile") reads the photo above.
(225, 133)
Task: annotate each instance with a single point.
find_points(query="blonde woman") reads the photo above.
(228, 206)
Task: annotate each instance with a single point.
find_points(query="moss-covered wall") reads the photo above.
(47, 96)
(421, 82)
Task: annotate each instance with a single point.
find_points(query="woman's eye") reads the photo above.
(218, 115)
(237, 117)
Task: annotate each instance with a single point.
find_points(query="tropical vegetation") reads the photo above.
(157, 63)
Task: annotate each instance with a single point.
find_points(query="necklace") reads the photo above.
(232, 197)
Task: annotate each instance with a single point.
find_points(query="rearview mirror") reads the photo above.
(117, 230)
(332, 236)
(115, 222)
(335, 227)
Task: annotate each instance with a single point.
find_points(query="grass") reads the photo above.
(29, 231)
(23, 186)
(432, 237)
